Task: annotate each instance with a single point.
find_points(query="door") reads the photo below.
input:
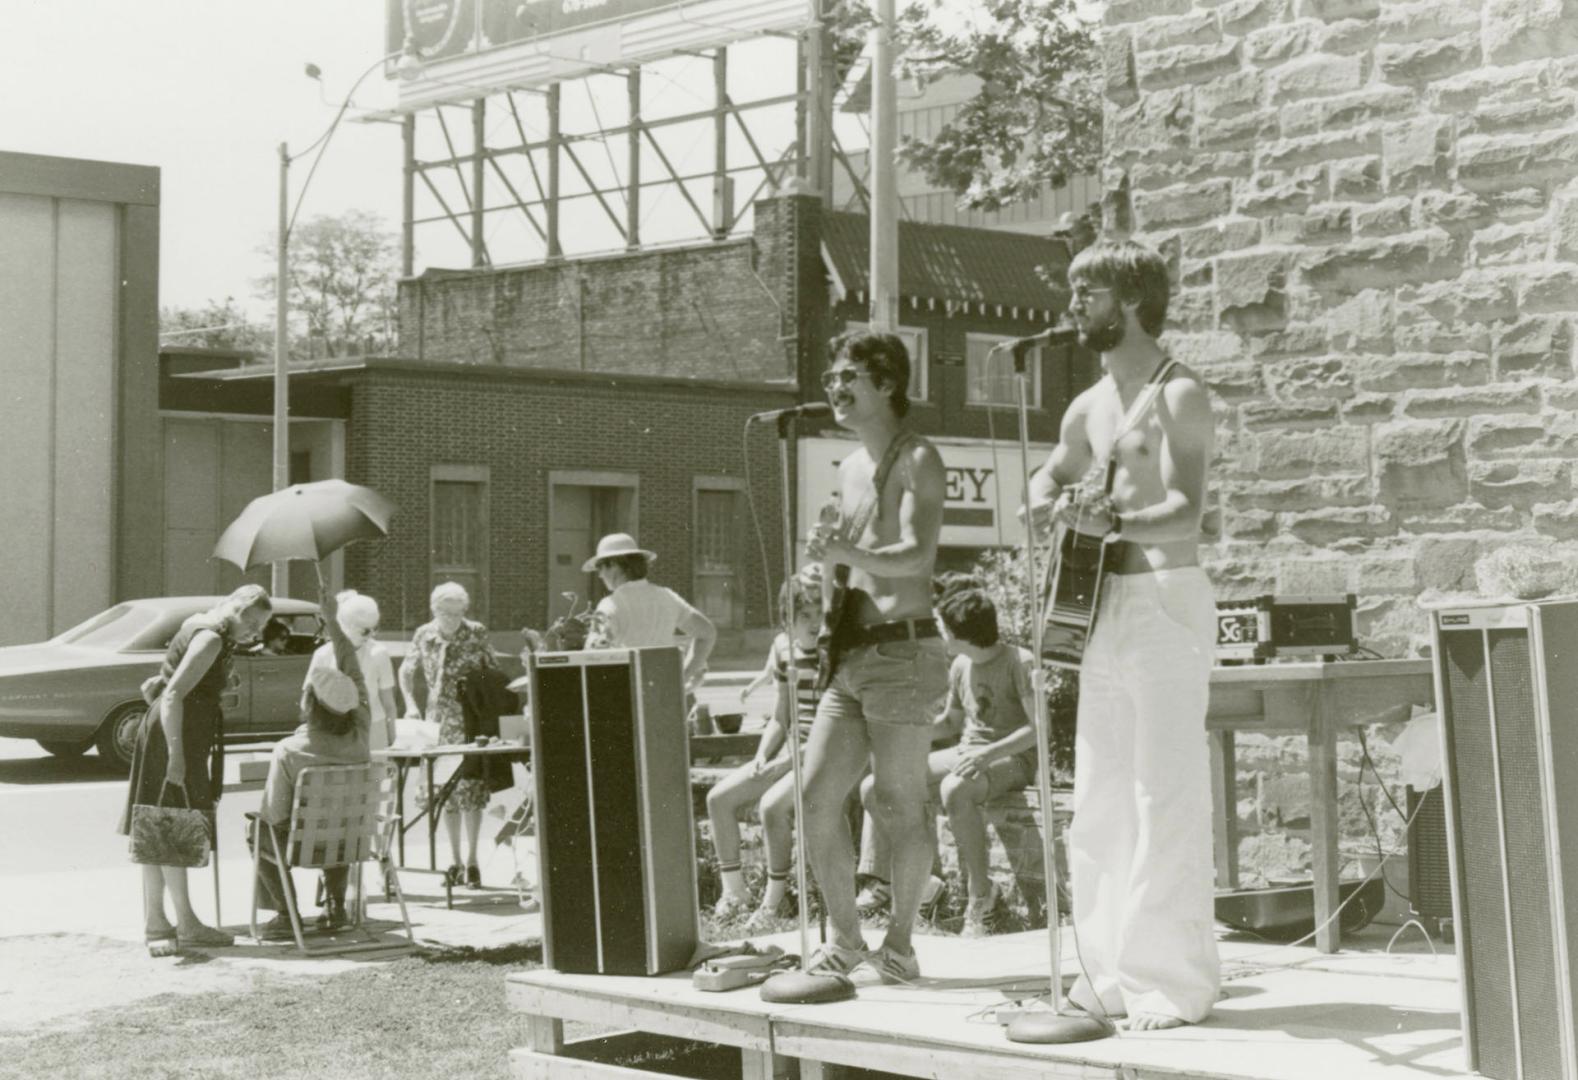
(275, 693)
(273, 682)
(719, 556)
(581, 513)
(213, 468)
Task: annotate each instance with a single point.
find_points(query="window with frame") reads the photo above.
(914, 338)
(989, 375)
(718, 562)
(458, 549)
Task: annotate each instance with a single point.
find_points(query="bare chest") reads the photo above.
(867, 513)
(1133, 444)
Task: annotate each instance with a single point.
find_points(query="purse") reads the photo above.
(170, 835)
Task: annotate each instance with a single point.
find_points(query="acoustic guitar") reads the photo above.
(1078, 563)
(1071, 586)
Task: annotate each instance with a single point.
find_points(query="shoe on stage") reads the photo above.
(886, 966)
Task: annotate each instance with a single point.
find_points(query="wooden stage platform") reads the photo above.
(1286, 1014)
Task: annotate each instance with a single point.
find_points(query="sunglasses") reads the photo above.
(841, 377)
(1085, 292)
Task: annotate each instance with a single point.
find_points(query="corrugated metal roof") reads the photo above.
(949, 263)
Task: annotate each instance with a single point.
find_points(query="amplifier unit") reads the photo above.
(1267, 626)
(1507, 691)
(615, 830)
(1429, 872)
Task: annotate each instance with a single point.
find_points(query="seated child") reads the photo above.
(991, 705)
(768, 776)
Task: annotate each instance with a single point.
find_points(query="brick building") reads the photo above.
(536, 408)
(1372, 213)
(630, 376)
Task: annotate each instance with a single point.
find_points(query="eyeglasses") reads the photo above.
(840, 377)
(1085, 292)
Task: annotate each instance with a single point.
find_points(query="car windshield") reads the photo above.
(110, 628)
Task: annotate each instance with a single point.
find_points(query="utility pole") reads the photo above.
(280, 582)
(884, 181)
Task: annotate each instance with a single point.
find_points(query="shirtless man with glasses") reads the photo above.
(892, 669)
(1140, 855)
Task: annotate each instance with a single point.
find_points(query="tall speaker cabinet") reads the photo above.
(1507, 687)
(615, 830)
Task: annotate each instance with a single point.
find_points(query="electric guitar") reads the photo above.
(835, 598)
(835, 579)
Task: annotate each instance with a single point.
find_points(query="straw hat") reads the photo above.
(613, 546)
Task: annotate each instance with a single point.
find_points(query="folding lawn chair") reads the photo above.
(342, 815)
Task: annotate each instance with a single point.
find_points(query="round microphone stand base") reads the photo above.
(1052, 1027)
(806, 988)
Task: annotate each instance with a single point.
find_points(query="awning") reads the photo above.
(949, 265)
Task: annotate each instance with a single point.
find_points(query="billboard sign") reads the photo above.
(470, 48)
(981, 502)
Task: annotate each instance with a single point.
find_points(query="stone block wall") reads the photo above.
(1371, 211)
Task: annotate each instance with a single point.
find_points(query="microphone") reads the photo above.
(1052, 335)
(812, 408)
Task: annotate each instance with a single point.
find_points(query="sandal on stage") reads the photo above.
(473, 876)
(163, 943)
(455, 876)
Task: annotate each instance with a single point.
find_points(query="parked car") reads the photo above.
(82, 688)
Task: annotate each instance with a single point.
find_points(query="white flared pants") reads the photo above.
(1140, 857)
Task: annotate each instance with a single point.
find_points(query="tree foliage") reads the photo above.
(1037, 117)
(342, 272)
(218, 324)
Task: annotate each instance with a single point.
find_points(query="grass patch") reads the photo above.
(431, 1014)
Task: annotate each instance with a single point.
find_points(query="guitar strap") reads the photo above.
(855, 525)
(1137, 409)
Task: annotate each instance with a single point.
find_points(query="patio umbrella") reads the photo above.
(304, 521)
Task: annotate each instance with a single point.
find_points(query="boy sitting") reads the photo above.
(989, 693)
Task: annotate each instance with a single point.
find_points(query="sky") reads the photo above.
(205, 90)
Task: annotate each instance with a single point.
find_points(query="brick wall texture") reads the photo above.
(717, 311)
(1372, 214)
(524, 427)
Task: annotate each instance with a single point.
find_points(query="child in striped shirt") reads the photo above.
(768, 776)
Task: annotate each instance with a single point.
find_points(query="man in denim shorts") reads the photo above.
(892, 669)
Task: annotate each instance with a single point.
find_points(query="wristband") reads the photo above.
(1117, 523)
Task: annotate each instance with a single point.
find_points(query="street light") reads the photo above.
(408, 66)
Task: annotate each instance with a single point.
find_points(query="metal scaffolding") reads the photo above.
(509, 152)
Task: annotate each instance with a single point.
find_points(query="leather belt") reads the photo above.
(882, 633)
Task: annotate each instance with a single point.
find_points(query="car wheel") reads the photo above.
(117, 739)
(63, 748)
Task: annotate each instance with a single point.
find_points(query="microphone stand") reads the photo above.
(785, 419)
(1053, 1027)
(802, 987)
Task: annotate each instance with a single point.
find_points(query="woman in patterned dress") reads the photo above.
(178, 760)
(449, 648)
